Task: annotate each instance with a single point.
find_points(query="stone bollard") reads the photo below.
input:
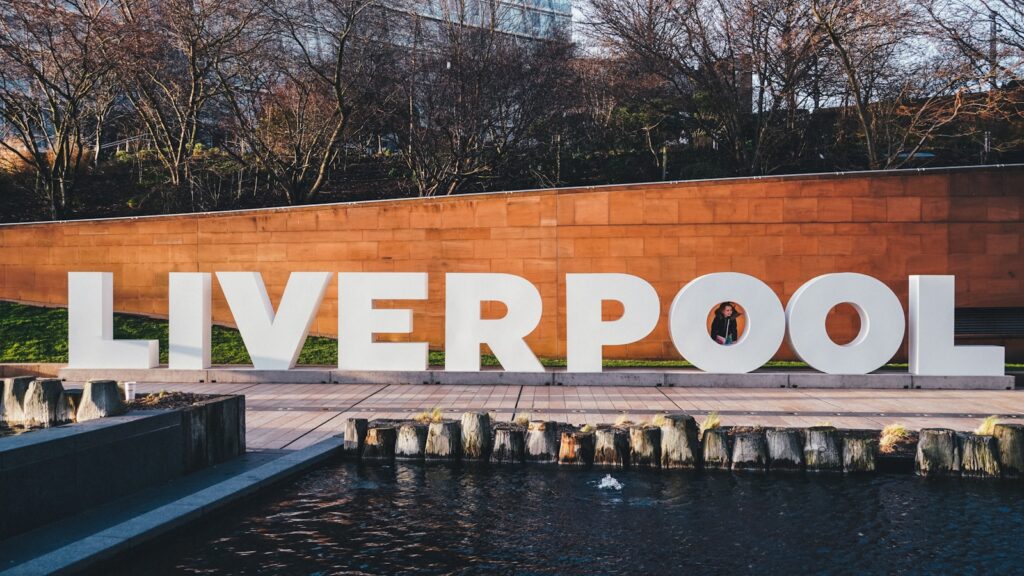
(509, 444)
(979, 455)
(823, 449)
(785, 448)
(476, 435)
(938, 452)
(576, 448)
(542, 441)
(859, 453)
(611, 447)
(749, 450)
(679, 445)
(715, 446)
(644, 446)
(100, 398)
(1010, 440)
(380, 442)
(45, 403)
(412, 441)
(355, 435)
(444, 441)
(12, 403)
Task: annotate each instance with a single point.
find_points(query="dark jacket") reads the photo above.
(724, 327)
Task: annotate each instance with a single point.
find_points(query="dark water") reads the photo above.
(349, 518)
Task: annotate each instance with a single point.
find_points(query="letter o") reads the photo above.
(882, 323)
(765, 328)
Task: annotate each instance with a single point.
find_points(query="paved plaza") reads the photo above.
(293, 416)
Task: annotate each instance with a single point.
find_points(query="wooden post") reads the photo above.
(46, 404)
(1010, 439)
(542, 441)
(938, 452)
(611, 447)
(823, 449)
(717, 453)
(380, 442)
(444, 441)
(644, 446)
(13, 401)
(509, 444)
(785, 448)
(476, 435)
(576, 449)
(679, 445)
(355, 435)
(979, 455)
(749, 450)
(859, 452)
(412, 441)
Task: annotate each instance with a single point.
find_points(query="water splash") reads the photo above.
(609, 483)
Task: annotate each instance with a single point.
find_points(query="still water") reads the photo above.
(350, 518)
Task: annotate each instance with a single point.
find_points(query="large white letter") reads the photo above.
(91, 341)
(465, 331)
(358, 321)
(587, 333)
(273, 340)
(882, 323)
(931, 348)
(764, 331)
(189, 325)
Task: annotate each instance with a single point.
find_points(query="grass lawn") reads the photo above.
(38, 334)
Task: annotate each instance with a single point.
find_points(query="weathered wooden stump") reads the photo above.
(979, 455)
(823, 449)
(715, 445)
(680, 447)
(749, 450)
(100, 399)
(542, 441)
(444, 441)
(412, 441)
(12, 411)
(938, 452)
(859, 453)
(355, 435)
(1010, 441)
(611, 447)
(785, 448)
(476, 435)
(45, 403)
(576, 448)
(644, 446)
(380, 442)
(509, 444)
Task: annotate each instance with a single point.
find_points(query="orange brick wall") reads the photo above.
(784, 230)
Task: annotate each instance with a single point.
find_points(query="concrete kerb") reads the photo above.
(129, 534)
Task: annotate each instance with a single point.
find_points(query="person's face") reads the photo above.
(727, 311)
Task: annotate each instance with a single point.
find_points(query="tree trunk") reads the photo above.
(938, 452)
(380, 442)
(679, 445)
(611, 447)
(785, 448)
(715, 444)
(749, 451)
(823, 449)
(412, 441)
(355, 435)
(859, 453)
(576, 449)
(1010, 438)
(476, 436)
(979, 456)
(444, 441)
(644, 446)
(509, 444)
(542, 441)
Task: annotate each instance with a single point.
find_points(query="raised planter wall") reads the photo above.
(56, 472)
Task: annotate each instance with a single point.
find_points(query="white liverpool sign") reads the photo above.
(275, 338)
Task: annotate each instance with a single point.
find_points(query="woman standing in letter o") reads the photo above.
(723, 327)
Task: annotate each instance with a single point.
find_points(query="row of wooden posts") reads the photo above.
(30, 402)
(678, 443)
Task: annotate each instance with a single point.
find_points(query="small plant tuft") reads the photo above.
(824, 424)
(658, 420)
(427, 417)
(623, 420)
(892, 435)
(987, 426)
(523, 419)
(710, 421)
(588, 428)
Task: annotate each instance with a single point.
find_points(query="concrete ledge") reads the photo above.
(682, 378)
